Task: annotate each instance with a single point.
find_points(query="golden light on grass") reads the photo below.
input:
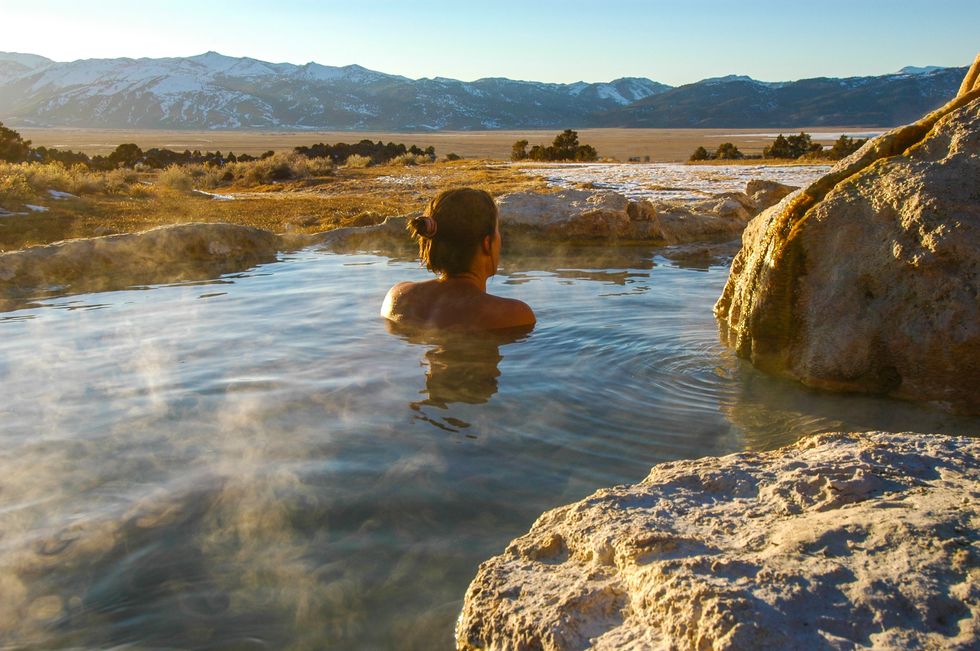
(345, 197)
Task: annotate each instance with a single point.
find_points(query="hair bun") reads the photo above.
(426, 226)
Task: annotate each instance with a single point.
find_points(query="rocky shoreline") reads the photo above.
(197, 251)
(867, 280)
(838, 541)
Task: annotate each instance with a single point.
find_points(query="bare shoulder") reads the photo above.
(389, 307)
(509, 313)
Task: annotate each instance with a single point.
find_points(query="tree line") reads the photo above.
(565, 147)
(14, 149)
(790, 148)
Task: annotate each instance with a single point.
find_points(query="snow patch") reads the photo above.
(58, 194)
(671, 181)
(214, 195)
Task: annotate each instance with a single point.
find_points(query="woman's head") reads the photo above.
(452, 229)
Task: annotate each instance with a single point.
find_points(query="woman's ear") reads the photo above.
(487, 244)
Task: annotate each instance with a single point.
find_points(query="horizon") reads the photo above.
(578, 81)
(669, 44)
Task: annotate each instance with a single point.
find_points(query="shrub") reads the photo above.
(357, 161)
(14, 185)
(519, 150)
(277, 167)
(844, 147)
(405, 159)
(700, 154)
(120, 179)
(175, 177)
(13, 148)
(451, 156)
(792, 147)
(565, 147)
(728, 151)
(54, 176)
(319, 166)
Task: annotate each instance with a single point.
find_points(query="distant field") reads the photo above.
(661, 145)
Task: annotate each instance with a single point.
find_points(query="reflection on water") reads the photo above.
(460, 367)
(258, 463)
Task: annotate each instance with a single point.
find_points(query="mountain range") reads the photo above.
(213, 91)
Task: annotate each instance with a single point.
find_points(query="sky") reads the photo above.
(674, 42)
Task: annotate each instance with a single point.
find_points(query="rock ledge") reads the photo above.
(840, 540)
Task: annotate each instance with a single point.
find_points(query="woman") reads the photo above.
(459, 239)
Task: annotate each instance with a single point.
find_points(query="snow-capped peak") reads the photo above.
(31, 61)
(918, 70)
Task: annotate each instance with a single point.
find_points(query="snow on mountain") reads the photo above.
(30, 61)
(214, 91)
(918, 70)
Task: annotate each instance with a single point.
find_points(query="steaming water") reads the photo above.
(258, 463)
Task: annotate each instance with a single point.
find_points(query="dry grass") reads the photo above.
(357, 161)
(662, 145)
(22, 181)
(348, 196)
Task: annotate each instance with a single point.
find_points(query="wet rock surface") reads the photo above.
(839, 541)
(167, 254)
(868, 280)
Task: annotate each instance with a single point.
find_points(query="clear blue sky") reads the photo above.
(675, 42)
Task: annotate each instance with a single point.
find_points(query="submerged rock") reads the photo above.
(839, 541)
(166, 254)
(868, 280)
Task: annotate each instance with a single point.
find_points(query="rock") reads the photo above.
(568, 214)
(166, 254)
(588, 214)
(727, 205)
(763, 193)
(868, 280)
(839, 541)
(302, 221)
(390, 236)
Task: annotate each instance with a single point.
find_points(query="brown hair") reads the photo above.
(452, 227)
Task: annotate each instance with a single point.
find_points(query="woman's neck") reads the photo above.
(470, 278)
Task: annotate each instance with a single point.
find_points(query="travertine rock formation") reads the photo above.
(869, 279)
(166, 254)
(837, 542)
(764, 194)
(606, 215)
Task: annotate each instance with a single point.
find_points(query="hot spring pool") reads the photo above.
(257, 462)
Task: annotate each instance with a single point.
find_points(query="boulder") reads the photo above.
(568, 214)
(593, 214)
(727, 205)
(839, 541)
(165, 254)
(868, 280)
(763, 193)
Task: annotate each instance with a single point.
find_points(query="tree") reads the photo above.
(564, 147)
(801, 145)
(13, 148)
(125, 155)
(844, 147)
(728, 151)
(586, 154)
(539, 153)
(519, 150)
(700, 154)
(780, 148)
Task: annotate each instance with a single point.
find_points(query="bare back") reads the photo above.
(449, 303)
